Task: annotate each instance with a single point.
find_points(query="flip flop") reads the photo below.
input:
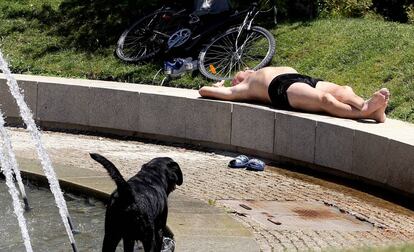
(239, 162)
(255, 165)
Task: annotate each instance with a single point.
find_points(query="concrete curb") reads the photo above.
(381, 154)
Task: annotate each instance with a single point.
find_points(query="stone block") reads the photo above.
(253, 128)
(63, 103)
(163, 115)
(401, 166)
(295, 137)
(8, 104)
(190, 243)
(206, 224)
(208, 121)
(334, 146)
(114, 109)
(370, 155)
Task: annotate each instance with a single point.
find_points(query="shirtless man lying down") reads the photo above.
(285, 88)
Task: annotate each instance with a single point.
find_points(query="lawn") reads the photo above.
(366, 54)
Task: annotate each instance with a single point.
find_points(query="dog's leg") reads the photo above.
(128, 245)
(158, 240)
(110, 242)
(165, 229)
(167, 232)
(150, 241)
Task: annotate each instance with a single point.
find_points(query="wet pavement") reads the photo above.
(207, 178)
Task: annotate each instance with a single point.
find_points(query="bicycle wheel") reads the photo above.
(227, 54)
(146, 37)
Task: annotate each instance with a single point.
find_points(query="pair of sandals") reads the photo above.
(250, 164)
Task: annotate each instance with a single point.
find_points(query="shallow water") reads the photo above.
(45, 226)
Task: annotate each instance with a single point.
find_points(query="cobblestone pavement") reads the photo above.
(206, 177)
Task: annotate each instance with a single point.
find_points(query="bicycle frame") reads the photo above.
(248, 15)
(181, 32)
(233, 19)
(156, 13)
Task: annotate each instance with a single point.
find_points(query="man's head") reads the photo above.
(241, 76)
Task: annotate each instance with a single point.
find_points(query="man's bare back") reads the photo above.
(247, 85)
(258, 82)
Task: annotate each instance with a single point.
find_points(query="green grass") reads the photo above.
(362, 53)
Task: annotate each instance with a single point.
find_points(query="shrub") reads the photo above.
(410, 13)
(345, 8)
(286, 9)
(393, 10)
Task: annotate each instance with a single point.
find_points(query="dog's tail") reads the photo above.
(123, 187)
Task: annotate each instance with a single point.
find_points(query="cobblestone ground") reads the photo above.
(206, 177)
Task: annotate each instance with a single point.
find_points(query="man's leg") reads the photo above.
(304, 97)
(343, 94)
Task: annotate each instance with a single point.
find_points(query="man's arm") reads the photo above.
(234, 93)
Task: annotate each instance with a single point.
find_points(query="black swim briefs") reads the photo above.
(280, 84)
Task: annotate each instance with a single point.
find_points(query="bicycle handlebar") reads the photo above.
(254, 9)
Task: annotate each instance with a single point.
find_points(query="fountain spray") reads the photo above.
(18, 210)
(50, 174)
(12, 161)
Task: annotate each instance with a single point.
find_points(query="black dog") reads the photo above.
(138, 209)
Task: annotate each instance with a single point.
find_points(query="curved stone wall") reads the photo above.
(382, 154)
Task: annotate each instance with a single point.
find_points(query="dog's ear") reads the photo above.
(175, 173)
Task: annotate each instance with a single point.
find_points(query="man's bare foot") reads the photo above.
(385, 92)
(378, 100)
(379, 114)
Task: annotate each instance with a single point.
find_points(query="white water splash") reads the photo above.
(48, 170)
(12, 158)
(6, 165)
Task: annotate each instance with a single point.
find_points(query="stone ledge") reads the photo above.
(381, 153)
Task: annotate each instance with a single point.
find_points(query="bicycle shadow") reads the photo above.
(89, 24)
(92, 24)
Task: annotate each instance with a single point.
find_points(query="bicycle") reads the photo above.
(167, 31)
